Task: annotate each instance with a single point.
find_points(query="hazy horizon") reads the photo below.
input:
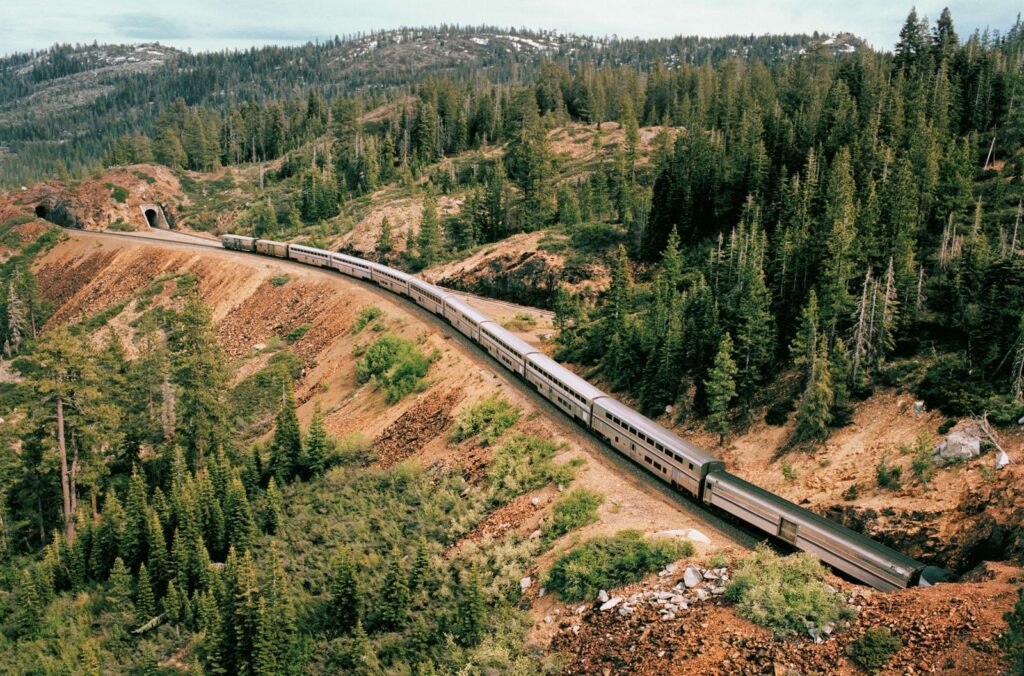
(233, 24)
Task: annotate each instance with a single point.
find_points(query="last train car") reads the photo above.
(238, 242)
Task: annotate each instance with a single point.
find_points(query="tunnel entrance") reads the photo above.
(155, 216)
(42, 211)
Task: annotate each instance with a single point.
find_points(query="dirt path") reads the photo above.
(636, 498)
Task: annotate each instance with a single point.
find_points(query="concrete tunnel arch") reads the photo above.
(155, 216)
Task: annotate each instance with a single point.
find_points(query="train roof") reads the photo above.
(462, 306)
(802, 516)
(567, 377)
(389, 270)
(512, 340)
(427, 286)
(310, 249)
(655, 431)
(245, 237)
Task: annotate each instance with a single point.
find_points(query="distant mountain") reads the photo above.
(66, 102)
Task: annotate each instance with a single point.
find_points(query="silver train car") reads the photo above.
(667, 456)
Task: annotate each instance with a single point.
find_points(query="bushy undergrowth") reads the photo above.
(872, 651)
(783, 593)
(488, 419)
(524, 463)
(574, 510)
(1013, 639)
(956, 389)
(259, 395)
(366, 316)
(606, 562)
(396, 364)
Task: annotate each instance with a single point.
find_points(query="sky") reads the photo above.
(204, 25)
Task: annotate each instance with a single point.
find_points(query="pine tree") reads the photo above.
(420, 567)
(430, 242)
(804, 347)
(120, 594)
(266, 660)
(238, 519)
(346, 607)
(286, 446)
(360, 658)
(838, 269)
(272, 509)
(15, 322)
(145, 602)
(28, 607)
(721, 389)
(472, 610)
(173, 606)
(568, 206)
(135, 544)
(815, 411)
(384, 245)
(394, 603)
(319, 444)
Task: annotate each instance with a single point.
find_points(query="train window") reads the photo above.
(691, 465)
(648, 460)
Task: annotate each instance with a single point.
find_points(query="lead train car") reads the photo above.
(666, 455)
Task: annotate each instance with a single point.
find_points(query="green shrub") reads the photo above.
(778, 413)
(1013, 639)
(947, 425)
(351, 449)
(185, 284)
(922, 464)
(488, 418)
(788, 472)
(606, 562)
(365, 316)
(118, 194)
(595, 238)
(888, 475)
(872, 651)
(574, 510)
(296, 334)
(396, 364)
(279, 280)
(901, 374)
(951, 386)
(783, 593)
(521, 321)
(522, 464)
(259, 395)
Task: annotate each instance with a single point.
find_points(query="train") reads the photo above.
(675, 461)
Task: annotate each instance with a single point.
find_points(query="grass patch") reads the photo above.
(257, 397)
(488, 419)
(365, 316)
(397, 365)
(524, 463)
(605, 562)
(784, 593)
(888, 475)
(144, 176)
(872, 651)
(120, 226)
(575, 510)
(118, 194)
(296, 334)
(102, 317)
(279, 280)
(520, 322)
(185, 284)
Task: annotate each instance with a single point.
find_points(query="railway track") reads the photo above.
(734, 530)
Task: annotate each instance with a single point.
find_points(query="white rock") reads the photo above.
(525, 583)
(625, 610)
(535, 534)
(547, 619)
(694, 535)
(671, 568)
(918, 407)
(1002, 460)
(668, 616)
(611, 603)
(702, 594)
(575, 628)
(542, 592)
(678, 598)
(582, 609)
(692, 577)
(602, 596)
(958, 445)
(711, 574)
(534, 501)
(718, 591)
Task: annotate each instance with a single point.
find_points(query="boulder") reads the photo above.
(1002, 460)
(702, 594)
(611, 603)
(525, 583)
(692, 577)
(602, 596)
(535, 501)
(959, 445)
(694, 535)
(919, 407)
(535, 534)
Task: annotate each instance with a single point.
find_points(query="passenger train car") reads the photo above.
(672, 459)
